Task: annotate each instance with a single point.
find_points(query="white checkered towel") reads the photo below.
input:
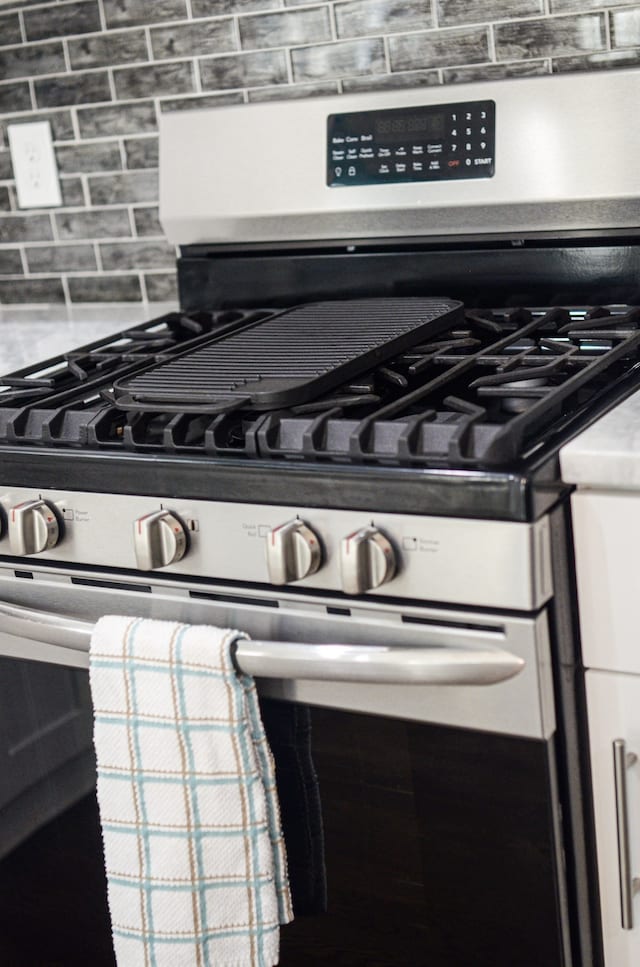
(195, 860)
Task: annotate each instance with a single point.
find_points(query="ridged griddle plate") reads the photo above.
(291, 357)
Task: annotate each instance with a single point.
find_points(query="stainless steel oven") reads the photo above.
(395, 537)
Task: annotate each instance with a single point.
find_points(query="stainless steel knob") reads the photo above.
(159, 539)
(367, 560)
(33, 527)
(293, 552)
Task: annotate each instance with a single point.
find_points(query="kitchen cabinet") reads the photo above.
(613, 702)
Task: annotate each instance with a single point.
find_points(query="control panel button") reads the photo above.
(367, 560)
(159, 539)
(33, 527)
(293, 552)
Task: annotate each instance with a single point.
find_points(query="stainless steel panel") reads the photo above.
(565, 146)
(499, 564)
(522, 705)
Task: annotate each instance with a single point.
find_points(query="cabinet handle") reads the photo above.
(629, 885)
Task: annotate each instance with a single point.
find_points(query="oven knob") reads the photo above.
(33, 527)
(293, 552)
(367, 560)
(159, 539)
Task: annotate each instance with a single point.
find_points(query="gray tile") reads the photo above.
(439, 48)
(10, 29)
(133, 118)
(14, 98)
(106, 50)
(305, 26)
(571, 6)
(354, 85)
(609, 60)
(625, 28)
(162, 287)
(102, 156)
(543, 38)
(192, 40)
(10, 262)
(287, 92)
(382, 16)
(141, 152)
(348, 58)
(147, 221)
(244, 70)
(137, 255)
(5, 199)
(154, 80)
(451, 12)
(25, 228)
(110, 223)
(72, 192)
(492, 72)
(31, 60)
(79, 89)
(127, 13)
(105, 288)
(61, 258)
(31, 291)
(209, 8)
(61, 124)
(62, 20)
(6, 168)
(196, 103)
(129, 187)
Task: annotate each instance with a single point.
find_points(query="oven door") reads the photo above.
(422, 821)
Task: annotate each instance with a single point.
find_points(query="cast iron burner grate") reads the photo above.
(289, 358)
(487, 392)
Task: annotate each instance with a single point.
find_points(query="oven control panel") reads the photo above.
(435, 143)
(488, 563)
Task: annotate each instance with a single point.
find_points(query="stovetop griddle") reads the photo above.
(289, 358)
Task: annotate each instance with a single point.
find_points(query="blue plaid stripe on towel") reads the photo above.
(195, 859)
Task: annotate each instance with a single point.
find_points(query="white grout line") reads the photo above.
(98, 257)
(67, 56)
(23, 255)
(492, 45)
(103, 19)
(147, 37)
(65, 289)
(23, 32)
(112, 85)
(143, 286)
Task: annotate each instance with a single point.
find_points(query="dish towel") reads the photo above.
(194, 855)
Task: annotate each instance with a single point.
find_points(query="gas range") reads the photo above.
(387, 479)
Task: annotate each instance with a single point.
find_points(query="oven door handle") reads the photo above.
(65, 640)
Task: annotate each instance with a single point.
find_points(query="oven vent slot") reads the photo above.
(411, 619)
(111, 585)
(235, 599)
(24, 574)
(344, 612)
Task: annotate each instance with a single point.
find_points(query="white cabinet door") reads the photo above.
(613, 701)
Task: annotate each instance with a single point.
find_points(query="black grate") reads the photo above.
(289, 358)
(485, 393)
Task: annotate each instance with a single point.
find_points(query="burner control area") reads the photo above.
(487, 563)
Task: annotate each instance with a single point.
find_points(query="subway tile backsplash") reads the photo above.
(102, 71)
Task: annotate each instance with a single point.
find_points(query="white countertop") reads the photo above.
(29, 335)
(607, 454)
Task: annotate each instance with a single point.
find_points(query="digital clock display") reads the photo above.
(411, 144)
(403, 126)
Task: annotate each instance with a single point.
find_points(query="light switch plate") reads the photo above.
(34, 165)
